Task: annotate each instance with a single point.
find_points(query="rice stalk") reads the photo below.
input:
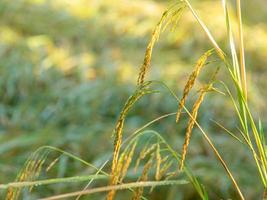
(258, 160)
(230, 35)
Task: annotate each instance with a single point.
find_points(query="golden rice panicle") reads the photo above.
(127, 162)
(192, 120)
(120, 165)
(170, 15)
(174, 18)
(190, 126)
(30, 171)
(140, 91)
(144, 177)
(116, 175)
(166, 166)
(117, 143)
(145, 151)
(148, 54)
(37, 170)
(191, 81)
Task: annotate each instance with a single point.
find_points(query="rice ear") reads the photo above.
(143, 154)
(191, 122)
(30, 171)
(170, 15)
(127, 162)
(191, 81)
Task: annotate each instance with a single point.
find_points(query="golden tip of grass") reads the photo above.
(191, 81)
(170, 15)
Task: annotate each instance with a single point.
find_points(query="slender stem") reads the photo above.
(206, 30)
(116, 187)
(51, 181)
(241, 49)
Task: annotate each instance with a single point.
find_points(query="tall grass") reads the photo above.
(157, 163)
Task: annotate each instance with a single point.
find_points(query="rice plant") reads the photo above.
(134, 166)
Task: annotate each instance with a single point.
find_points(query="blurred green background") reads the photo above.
(68, 66)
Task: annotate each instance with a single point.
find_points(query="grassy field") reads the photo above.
(67, 69)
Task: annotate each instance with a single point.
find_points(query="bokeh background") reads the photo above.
(68, 66)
